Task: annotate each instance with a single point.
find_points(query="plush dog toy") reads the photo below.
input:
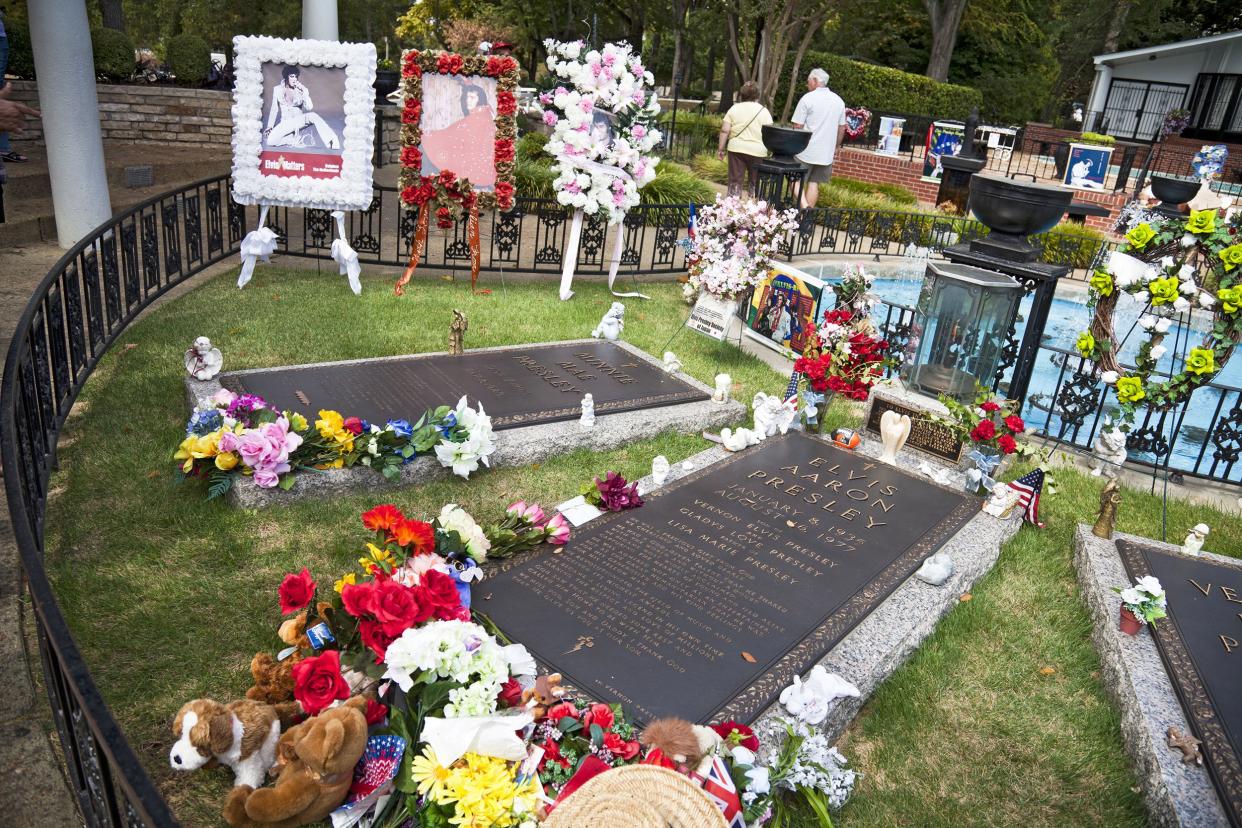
(242, 735)
(679, 745)
(273, 678)
(319, 759)
(546, 692)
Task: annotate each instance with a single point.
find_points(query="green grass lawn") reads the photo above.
(170, 596)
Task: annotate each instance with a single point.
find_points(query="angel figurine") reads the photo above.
(202, 361)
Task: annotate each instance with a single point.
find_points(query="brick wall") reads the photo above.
(866, 165)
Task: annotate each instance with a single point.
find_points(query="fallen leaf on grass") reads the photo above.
(1047, 671)
(965, 598)
(750, 658)
(151, 475)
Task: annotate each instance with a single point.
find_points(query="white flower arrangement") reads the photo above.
(456, 519)
(1146, 599)
(352, 189)
(600, 175)
(464, 456)
(734, 244)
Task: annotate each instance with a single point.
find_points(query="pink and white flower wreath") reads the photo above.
(597, 176)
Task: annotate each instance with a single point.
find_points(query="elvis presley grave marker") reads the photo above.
(706, 601)
(1201, 646)
(517, 386)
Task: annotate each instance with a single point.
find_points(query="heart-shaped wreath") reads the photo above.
(1172, 266)
(856, 121)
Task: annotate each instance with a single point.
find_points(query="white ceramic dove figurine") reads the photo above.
(1193, 544)
(612, 324)
(894, 431)
(936, 570)
(587, 420)
(659, 470)
(724, 388)
(671, 363)
(202, 361)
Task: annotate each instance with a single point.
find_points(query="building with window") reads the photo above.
(1134, 90)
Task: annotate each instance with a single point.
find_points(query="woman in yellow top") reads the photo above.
(742, 135)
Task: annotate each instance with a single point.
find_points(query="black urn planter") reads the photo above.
(1173, 193)
(785, 142)
(386, 82)
(1014, 210)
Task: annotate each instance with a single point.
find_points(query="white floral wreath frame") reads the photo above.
(352, 189)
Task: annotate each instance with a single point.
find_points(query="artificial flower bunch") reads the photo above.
(844, 355)
(1146, 599)
(238, 436)
(602, 110)
(1173, 267)
(799, 766)
(991, 424)
(573, 730)
(613, 493)
(734, 242)
(853, 292)
(525, 526)
(476, 790)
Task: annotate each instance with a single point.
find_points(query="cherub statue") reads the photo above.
(724, 388)
(202, 361)
(587, 420)
(738, 440)
(659, 470)
(1001, 502)
(613, 323)
(772, 414)
(457, 333)
(1193, 544)
(1109, 452)
(1110, 500)
(671, 363)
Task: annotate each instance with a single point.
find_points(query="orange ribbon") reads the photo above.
(416, 250)
(472, 236)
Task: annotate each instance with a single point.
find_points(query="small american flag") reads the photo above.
(692, 227)
(791, 390)
(1028, 487)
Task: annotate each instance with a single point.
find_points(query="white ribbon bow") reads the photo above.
(570, 262)
(259, 243)
(346, 256)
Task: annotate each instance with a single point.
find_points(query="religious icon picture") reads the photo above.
(783, 309)
(303, 123)
(458, 126)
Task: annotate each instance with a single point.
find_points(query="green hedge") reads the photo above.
(189, 58)
(114, 54)
(882, 89)
(21, 57)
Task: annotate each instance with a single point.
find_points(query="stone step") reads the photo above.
(30, 180)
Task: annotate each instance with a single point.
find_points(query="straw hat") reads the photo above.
(637, 796)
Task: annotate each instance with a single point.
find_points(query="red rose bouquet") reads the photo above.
(991, 423)
(843, 356)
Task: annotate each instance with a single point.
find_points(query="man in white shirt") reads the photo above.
(823, 112)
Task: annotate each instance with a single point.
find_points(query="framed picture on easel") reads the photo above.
(783, 309)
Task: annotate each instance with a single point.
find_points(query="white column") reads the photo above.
(1099, 89)
(319, 20)
(61, 39)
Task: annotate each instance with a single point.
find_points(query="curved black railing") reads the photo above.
(101, 285)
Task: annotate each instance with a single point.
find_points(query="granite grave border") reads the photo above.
(516, 446)
(886, 637)
(1132, 671)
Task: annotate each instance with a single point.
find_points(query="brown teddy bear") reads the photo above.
(273, 678)
(319, 758)
(546, 693)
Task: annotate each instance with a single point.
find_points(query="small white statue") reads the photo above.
(936, 570)
(894, 431)
(738, 440)
(587, 420)
(613, 323)
(671, 363)
(772, 414)
(1109, 452)
(724, 388)
(202, 361)
(1001, 501)
(938, 474)
(1193, 544)
(659, 470)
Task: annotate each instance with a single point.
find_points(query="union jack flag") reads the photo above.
(719, 787)
(1028, 487)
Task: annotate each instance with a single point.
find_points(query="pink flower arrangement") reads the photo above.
(265, 450)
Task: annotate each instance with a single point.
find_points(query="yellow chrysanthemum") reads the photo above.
(331, 426)
(430, 775)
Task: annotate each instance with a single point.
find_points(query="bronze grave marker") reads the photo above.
(517, 387)
(705, 602)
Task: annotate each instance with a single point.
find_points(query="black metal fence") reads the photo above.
(100, 286)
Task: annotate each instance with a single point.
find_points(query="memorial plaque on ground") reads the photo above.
(926, 435)
(706, 601)
(1201, 645)
(517, 386)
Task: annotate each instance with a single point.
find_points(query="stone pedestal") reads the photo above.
(955, 183)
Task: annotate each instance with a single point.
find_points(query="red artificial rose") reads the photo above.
(376, 712)
(410, 67)
(562, 710)
(417, 536)
(409, 195)
(510, 693)
(411, 157)
(1007, 444)
(397, 607)
(382, 518)
(359, 599)
(736, 733)
(499, 64)
(990, 406)
(1014, 423)
(506, 104)
(317, 681)
(448, 64)
(986, 430)
(443, 213)
(504, 151)
(353, 425)
(619, 747)
(600, 714)
(448, 178)
(504, 190)
(457, 613)
(296, 591)
(374, 638)
(440, 589)
(412, 112)
(552, 753)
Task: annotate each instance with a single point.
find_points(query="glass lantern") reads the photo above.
(963, 317)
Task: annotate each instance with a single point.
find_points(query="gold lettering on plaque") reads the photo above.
(583, 641)
(1204, 590)
(1231, 595)
(1230, 643)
